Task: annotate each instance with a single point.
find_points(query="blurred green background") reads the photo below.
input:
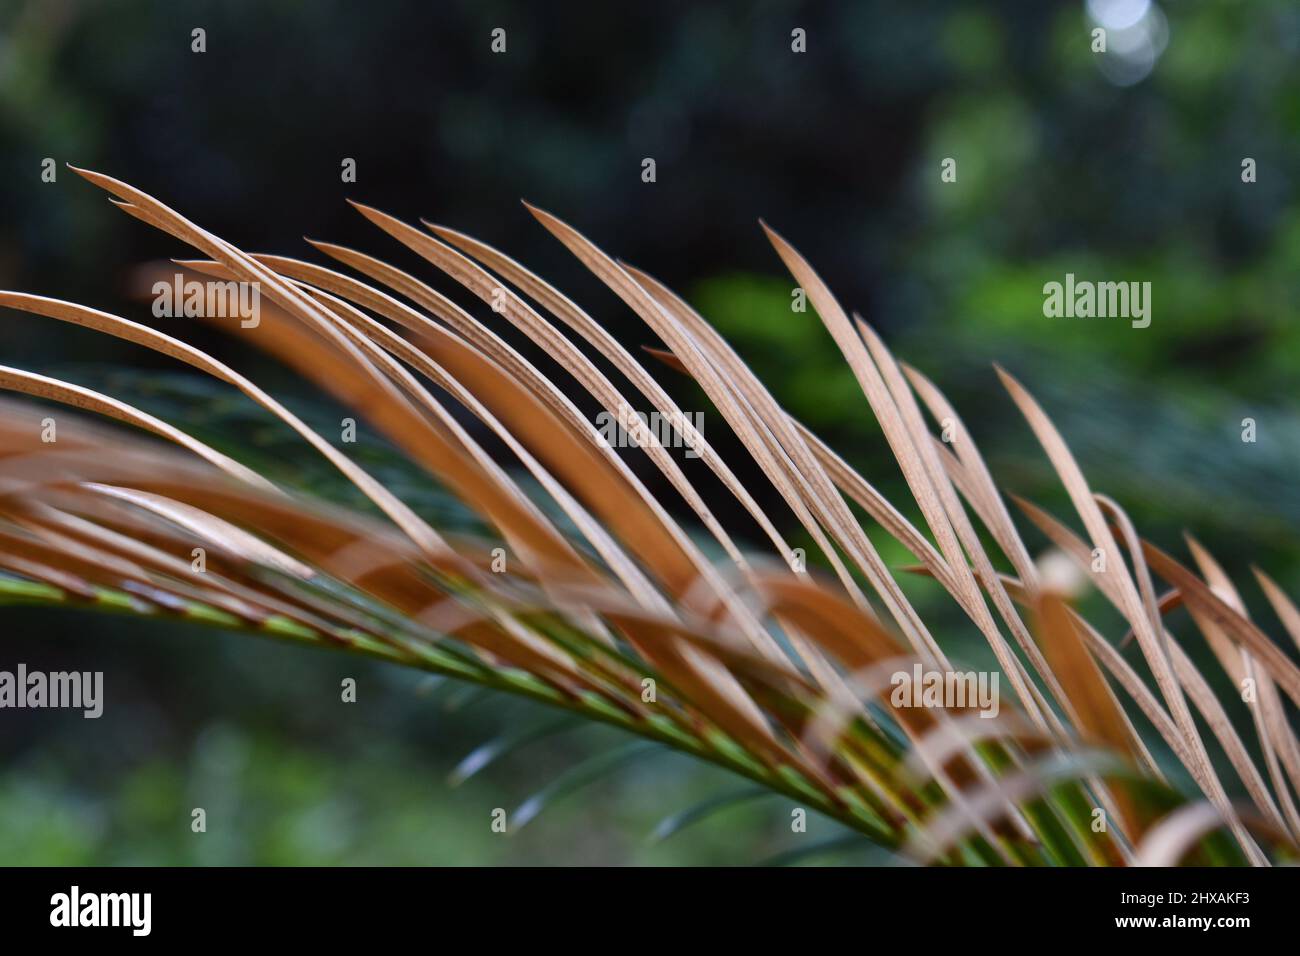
(1120, 166)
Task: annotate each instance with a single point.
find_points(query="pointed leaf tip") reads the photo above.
(541, 215)
(1009, 381)
(99, 179)
(538, 213)
(370, 212)
(866, 328)
(445, 233)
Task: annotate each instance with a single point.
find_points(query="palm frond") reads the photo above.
(609, 608)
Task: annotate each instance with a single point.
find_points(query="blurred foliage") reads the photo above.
(256, 734)
(1060, 169)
